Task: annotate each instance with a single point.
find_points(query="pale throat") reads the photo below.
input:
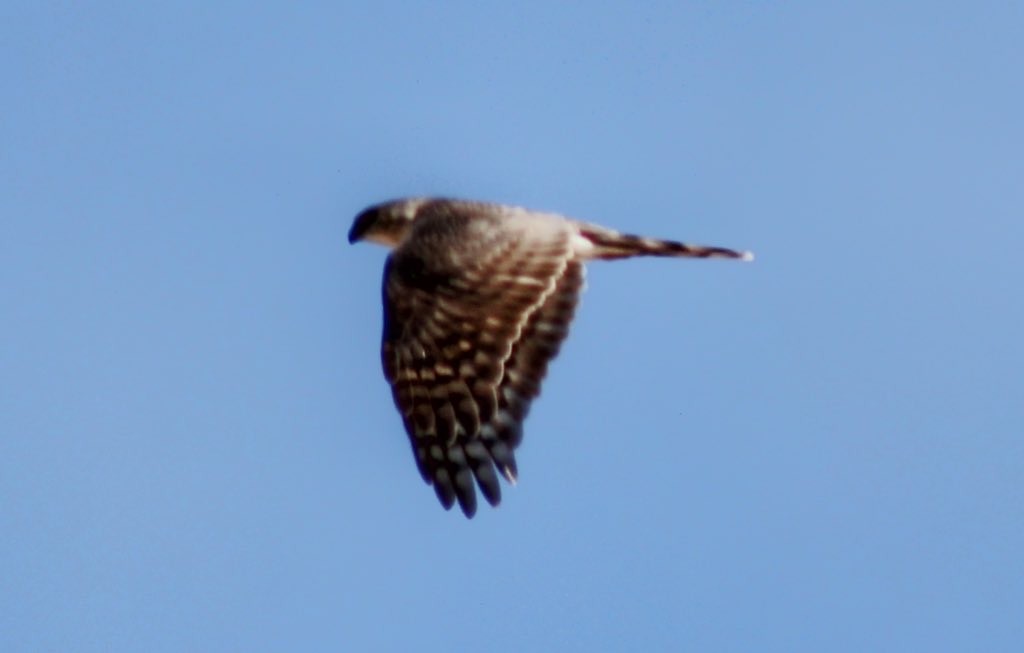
(389, 239)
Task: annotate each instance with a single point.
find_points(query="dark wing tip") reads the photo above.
(465, 491)
(487, 480)
(463, 470)
(443, 488)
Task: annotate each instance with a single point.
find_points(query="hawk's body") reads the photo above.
(477, 300)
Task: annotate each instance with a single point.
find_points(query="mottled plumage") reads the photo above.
(477, 300)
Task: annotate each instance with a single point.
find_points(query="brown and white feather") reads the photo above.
(478, 299)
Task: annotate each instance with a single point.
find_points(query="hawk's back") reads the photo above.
(477, 300)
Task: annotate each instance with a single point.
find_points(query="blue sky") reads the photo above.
(819, 451)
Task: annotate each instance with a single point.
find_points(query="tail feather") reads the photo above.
(611, 245)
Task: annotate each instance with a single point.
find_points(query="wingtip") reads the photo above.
(510, 475)
(747, 256)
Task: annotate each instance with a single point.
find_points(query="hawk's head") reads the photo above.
(385, 224)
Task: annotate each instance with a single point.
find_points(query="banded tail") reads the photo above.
(610, 245)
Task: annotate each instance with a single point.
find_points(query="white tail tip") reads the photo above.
(747, 256)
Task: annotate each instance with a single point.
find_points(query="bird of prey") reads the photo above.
(477, 300)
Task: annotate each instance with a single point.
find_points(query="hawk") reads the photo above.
(478, 298)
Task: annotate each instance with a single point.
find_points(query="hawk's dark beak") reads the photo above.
(360, 225)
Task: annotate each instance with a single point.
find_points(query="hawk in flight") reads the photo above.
(477, 300)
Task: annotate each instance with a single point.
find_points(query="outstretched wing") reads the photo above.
(465, 348)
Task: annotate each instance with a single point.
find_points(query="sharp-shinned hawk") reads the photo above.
(477, 300)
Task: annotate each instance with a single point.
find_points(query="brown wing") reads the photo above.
(465, 351)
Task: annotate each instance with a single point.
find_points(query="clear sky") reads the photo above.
(819, 451)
